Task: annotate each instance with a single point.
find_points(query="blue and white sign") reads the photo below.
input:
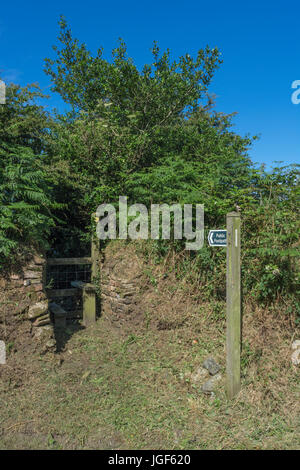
(217, 238)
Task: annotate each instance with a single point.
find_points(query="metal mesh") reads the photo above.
(60, 277)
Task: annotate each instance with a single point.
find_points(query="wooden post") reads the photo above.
(89, 304)
(88, 301)
(60, 315)
(95, 248)
(89, 292)
(233, 299)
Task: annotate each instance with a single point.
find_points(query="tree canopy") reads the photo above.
(152, 134)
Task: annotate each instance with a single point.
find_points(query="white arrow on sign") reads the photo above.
(217, 237)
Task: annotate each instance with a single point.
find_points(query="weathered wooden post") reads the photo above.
(233, 300)
(89, 304)
(88, 301)
(95, 249)
(60, 315)
(89, 290)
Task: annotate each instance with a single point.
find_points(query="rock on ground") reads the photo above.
(211, 365)
(210, 384)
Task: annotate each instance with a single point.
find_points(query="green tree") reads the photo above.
(153, 134)
(130, 131)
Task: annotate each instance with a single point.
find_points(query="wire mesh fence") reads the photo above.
(61, 276)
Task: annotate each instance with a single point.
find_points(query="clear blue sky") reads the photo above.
(259, 40)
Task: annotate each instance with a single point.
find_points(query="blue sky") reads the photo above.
(259, 41)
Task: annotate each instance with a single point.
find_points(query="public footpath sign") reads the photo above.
(217, 238)
(231, 238)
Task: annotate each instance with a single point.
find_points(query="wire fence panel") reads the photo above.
(61, 276)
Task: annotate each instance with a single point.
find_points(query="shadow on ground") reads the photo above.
(63, 335)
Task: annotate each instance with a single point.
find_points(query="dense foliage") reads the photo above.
(153, 135)
(26, 197)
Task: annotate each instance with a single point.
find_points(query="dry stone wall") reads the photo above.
(119, 286)
(25, 291)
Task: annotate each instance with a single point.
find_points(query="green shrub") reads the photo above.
(25, 202)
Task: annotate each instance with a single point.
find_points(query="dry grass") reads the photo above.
(131, 387)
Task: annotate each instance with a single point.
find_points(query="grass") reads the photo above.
(134, 392)
(132, 387)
